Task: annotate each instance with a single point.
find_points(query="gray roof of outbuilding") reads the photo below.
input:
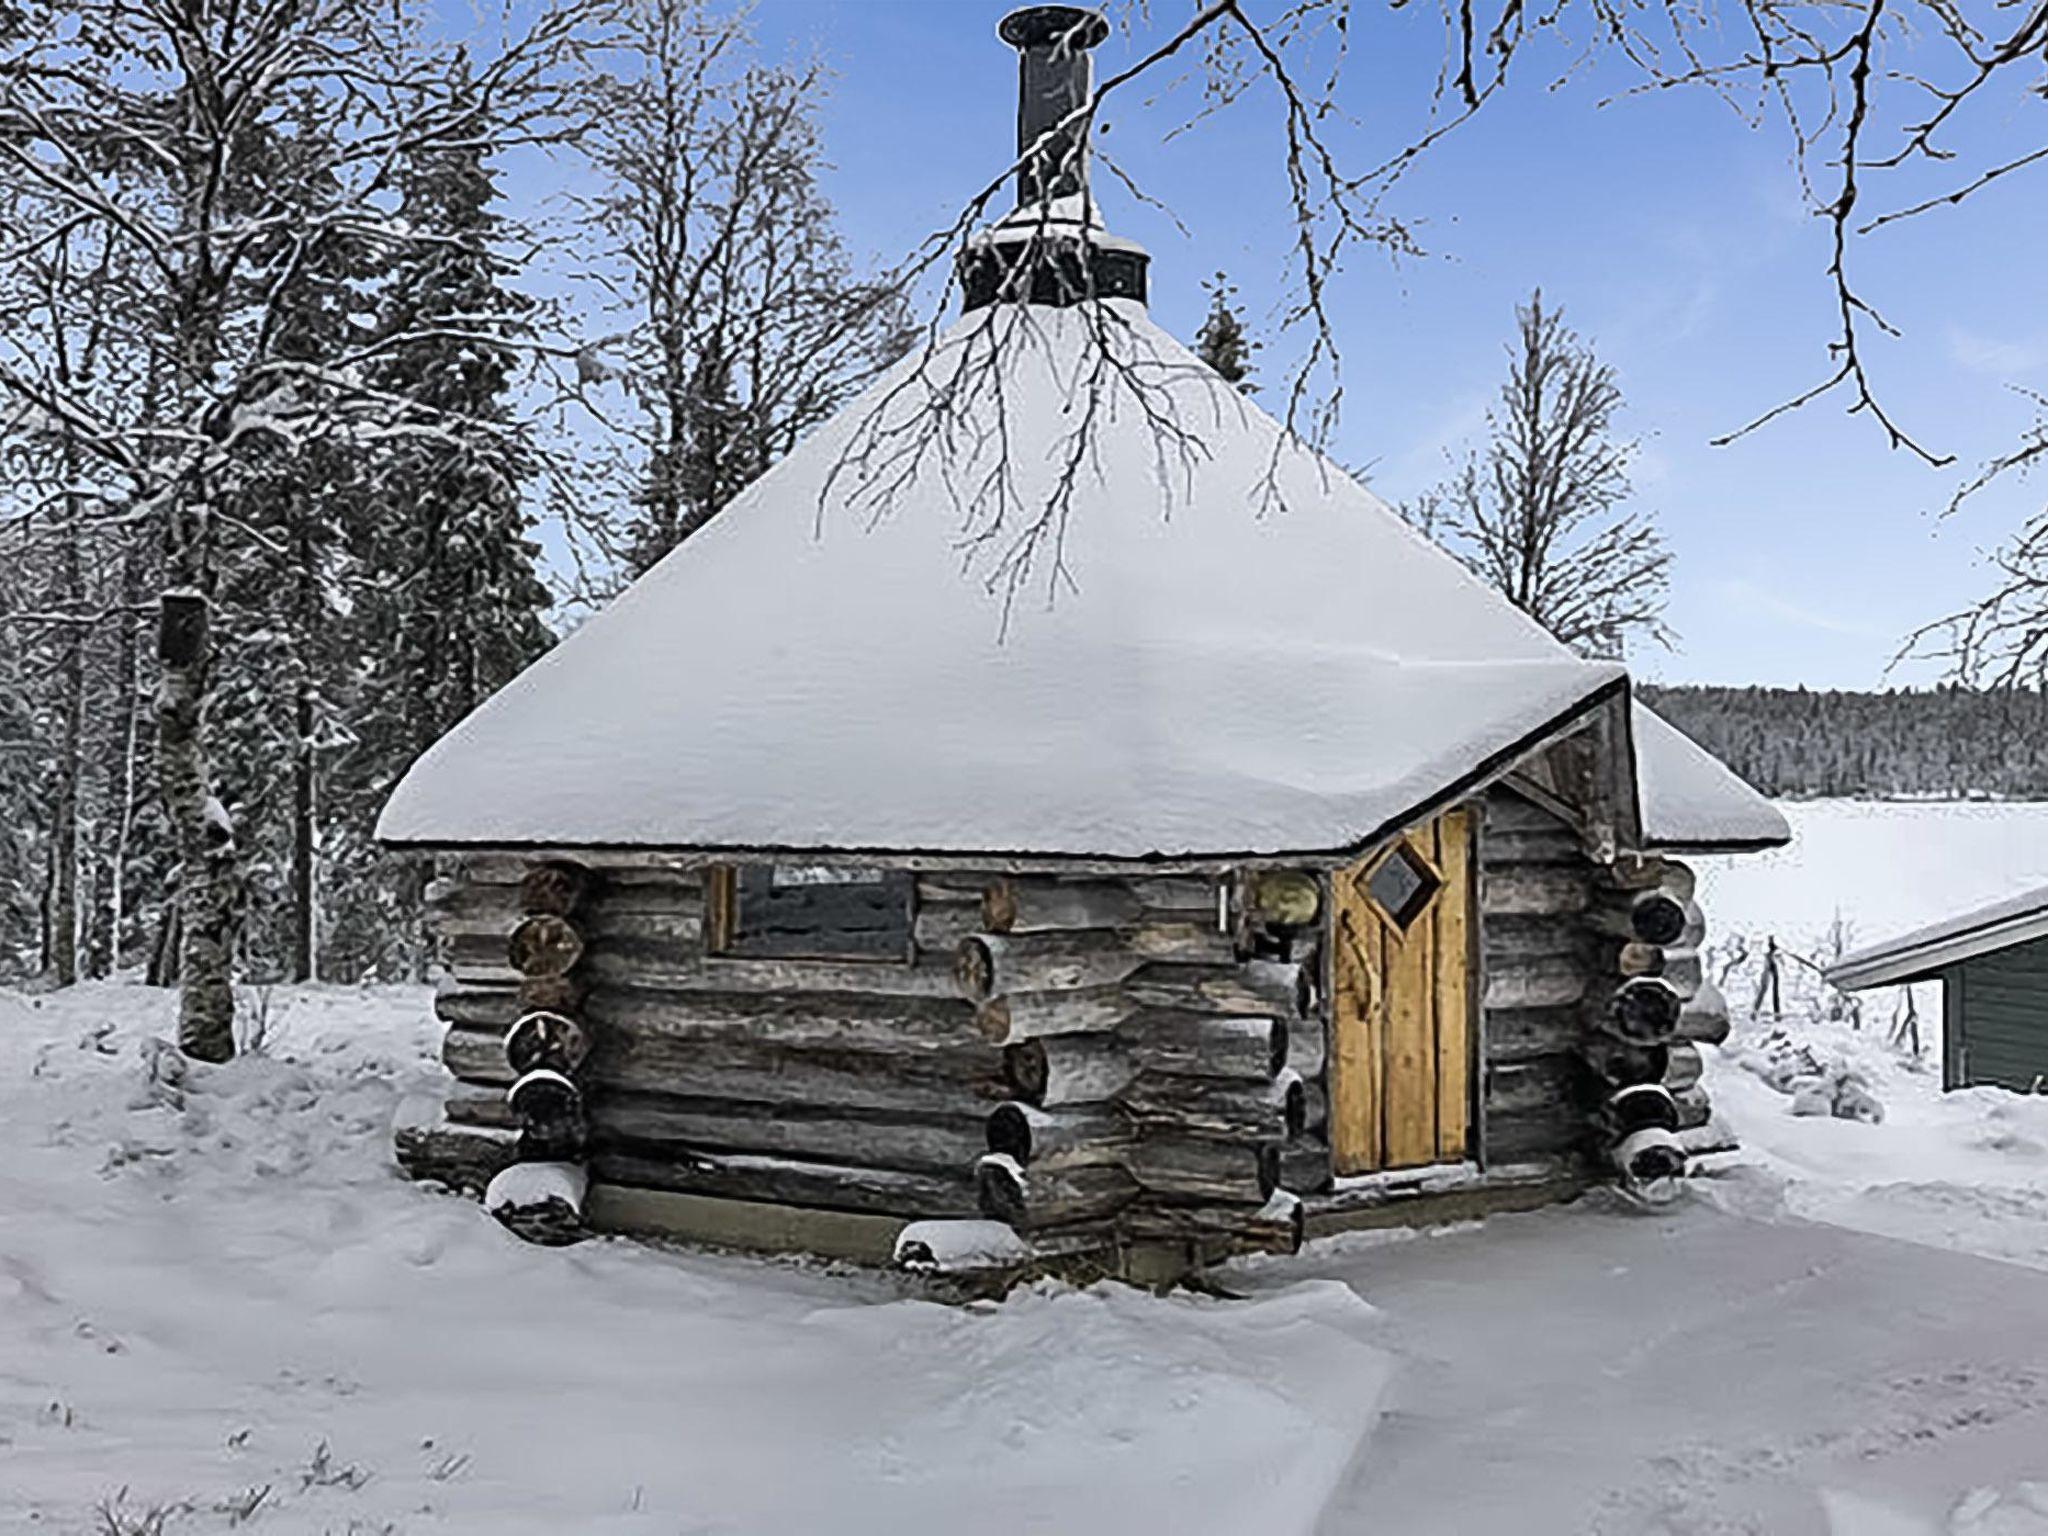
(1927, 951)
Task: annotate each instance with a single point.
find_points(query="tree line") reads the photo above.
(1949, 742)
(290, 393)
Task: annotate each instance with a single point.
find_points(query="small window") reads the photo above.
(1402, 884)
(810, 912)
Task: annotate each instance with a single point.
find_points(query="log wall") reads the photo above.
(1536, 968)
(1092, 1058)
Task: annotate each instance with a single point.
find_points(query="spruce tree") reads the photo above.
(451, 603)
(1222, 342)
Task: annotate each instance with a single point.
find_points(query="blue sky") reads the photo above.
(1669, 230)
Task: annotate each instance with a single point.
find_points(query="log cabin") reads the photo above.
(1054, 814)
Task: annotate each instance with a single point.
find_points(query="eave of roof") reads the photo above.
(1926, 952)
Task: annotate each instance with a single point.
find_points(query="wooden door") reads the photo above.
(1401, 1001)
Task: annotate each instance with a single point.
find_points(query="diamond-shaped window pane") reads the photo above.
(1402, 885)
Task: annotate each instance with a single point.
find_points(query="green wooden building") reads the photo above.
(1993, 967)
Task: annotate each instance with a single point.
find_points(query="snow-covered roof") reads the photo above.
(1691, 801)
(1227, 671)
(1925, 951)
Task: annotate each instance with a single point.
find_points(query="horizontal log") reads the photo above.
(497, 1008)
(962, 889)
(785, 1181)
(1635, 958)
(848, 1020)
(1206, 1044)
(963, 1081)
(668, 882)
(1184, 1168)
(465, 1157)
(479, 1104)
(1519, 936)
(1523, 1034)
(1277, 1226)
(1684, 970)
(1547, 982)
(476, 1007)
(1033, 1198)
(1068, 1069)
(821, 1133)
(1507, 811)
(1546, 1130)
(1058, 1138)
(657, 968)
(611, 923)
(1025, 905)
(1305, 1167)
(995, 965)
(1536, 845)
(938, 930)
(1649, 872)
(1080, 1010)
(1553, 1081)
(477, 1056)
(1276, 987)
(1683, 1067)
(1694, 1108)
(1705, 1015)
(1213, 1110)
(544, 945)
(1533, 890)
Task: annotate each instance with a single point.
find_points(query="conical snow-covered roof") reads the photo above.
(1244, 652)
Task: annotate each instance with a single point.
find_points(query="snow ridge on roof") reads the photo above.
(1919, 954)
(1219, 670)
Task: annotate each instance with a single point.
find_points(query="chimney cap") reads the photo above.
(1042, 25)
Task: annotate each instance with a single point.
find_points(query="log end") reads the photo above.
(1027, 1069)
(541, 1202)
(544, 945)
(992, 1019)
(999, 906)
(544, 1039)
(554, 889)
(974, 968)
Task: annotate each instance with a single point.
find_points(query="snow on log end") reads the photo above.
(541, 1202)
(959, 1247)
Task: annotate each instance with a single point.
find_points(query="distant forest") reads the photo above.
(1951, 742)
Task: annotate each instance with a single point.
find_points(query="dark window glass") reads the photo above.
(803, 911)
(1402, 885)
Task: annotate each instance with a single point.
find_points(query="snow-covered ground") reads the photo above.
(221, 1307)
(1966, 1170)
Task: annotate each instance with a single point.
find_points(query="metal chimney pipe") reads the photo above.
(1054, 80)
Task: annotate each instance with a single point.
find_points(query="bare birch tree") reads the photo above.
(1539, 514)
(747, 324)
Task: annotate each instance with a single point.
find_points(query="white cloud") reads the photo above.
(2001, 356)
(1758, 599)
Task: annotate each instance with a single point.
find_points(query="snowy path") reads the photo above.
(1593, 1370)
